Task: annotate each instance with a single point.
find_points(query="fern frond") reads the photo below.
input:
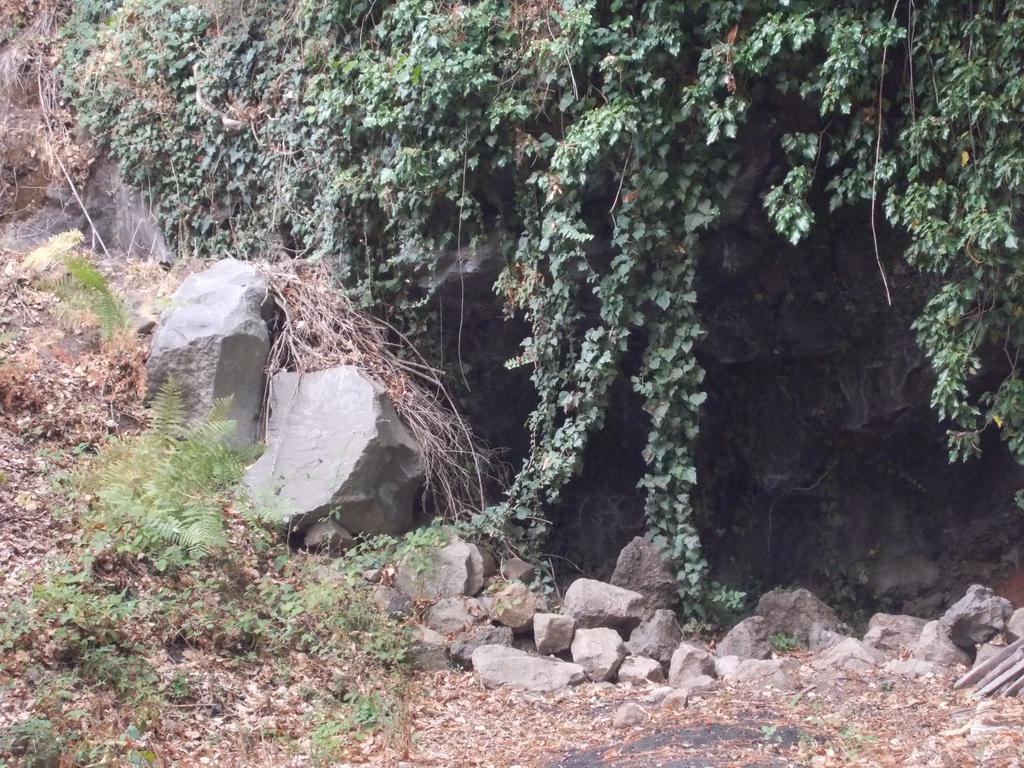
(85, 273)
(53, 250)
(168, 412)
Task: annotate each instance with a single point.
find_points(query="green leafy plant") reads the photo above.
(783, 642)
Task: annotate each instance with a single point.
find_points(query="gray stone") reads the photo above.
(657, 637)
(1015, 626)
(795, 612)
(515, 569)
(779, 673)
(391, 601)
(213, 342)
(497, 665)
(747, 640)
(598, 604)
(640, 670)
(335, 446)
(454, 569)
(657, 694)
(726, 666)
(851, 655)
(514, 606)
(451, 614)
(328, 536)
(429, 650)
(891, 633)
(598, 651)
(977, 617)
(553, 632)
(676, 701)
(698, 684)
(821, 639)
(469, 640)
(689, 661)
(935, 645)
(912, 668)
(641, 568)
(628, 715)
(986, 651)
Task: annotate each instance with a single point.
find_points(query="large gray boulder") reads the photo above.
(514, 606)
(457, 568)
(335, 446)
(553, 632)
(597, 604)
(641, 568)
(214, 343)
(690, 661)
(451, 614)
(976, 617)
(779, 673)
(851, 655)
(466, 642)
(639, 670)
(657, 637)
(497, 666)
(747, 640)
(935, 645)
(1015, 626)
(891, 633)
(796, 612)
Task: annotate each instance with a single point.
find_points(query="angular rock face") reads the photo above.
(657, 637)
(597, 604)
(935, 645)
(516, 569)
(795, 612)
(497, 665)
(912, 668)
(429, 651)
(1015, 626)
(641, 568)
(514, 606)
(213, 342)
(851, 655)
(640, 670)
(450, 614)
(780, 673)
(455, 569)
(976, 617)
(553, 632)
(821, 639)
(599, 651)
(328, 536)
(688, 662)
(336, 446)
(890, 633)
(747, 640)
(462, 648)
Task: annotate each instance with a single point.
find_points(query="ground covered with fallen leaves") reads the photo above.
(62, 394)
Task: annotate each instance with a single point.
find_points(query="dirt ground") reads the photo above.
(61, 395)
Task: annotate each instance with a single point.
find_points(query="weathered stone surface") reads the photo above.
(657, 637)
(628, 715)
(515, 569)
(1015, 626)
(553, 632)
(747, 640)
(514, 606)
(328, 536)
(676, 700)
(429, 650)
(976, 617)
(821, 639)
(851, 655)
(935, 645)
(689, 661)
(641, 568)
(779, 673)
(795, 612)
(454, 569)
(450, 614)
(986, 651)
(891, 633)
(598, 604)
(599, 651)
(497, 665)
(335, 446)
(726, 666)
(213, 342)
(469, 640)
(912, 668)
(640, 670)
(699, 684)
(391, 601)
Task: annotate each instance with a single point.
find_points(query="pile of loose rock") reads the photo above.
(477, 617)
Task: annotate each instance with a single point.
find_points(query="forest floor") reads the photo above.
(61, 394)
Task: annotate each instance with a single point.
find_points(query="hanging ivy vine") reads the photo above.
(597, 139)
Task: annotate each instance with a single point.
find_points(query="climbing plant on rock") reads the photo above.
(596, 140)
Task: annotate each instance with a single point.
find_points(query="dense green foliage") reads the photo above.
(595, 140)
